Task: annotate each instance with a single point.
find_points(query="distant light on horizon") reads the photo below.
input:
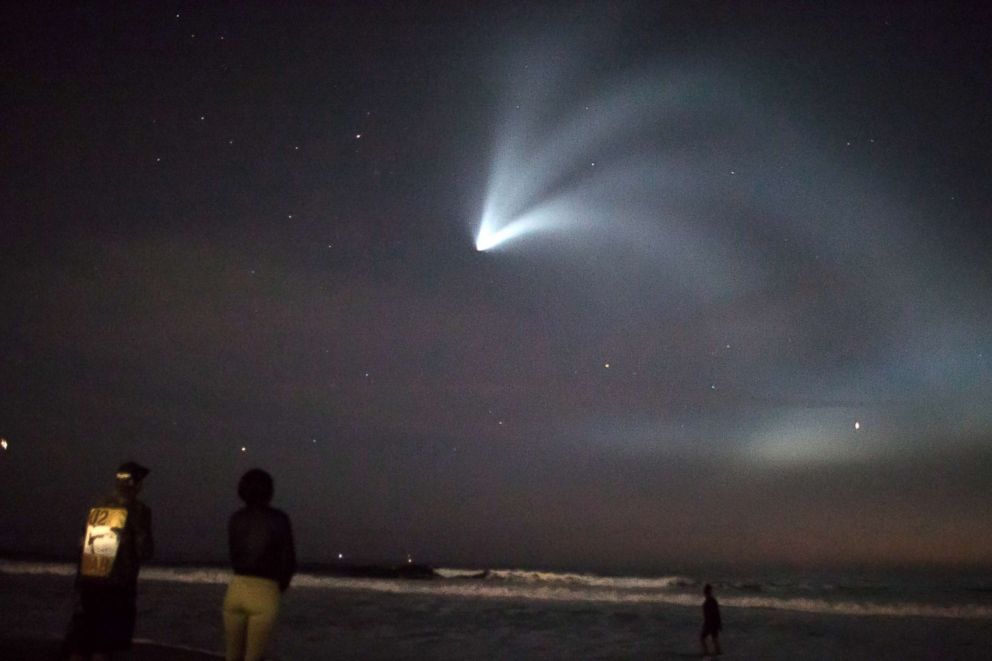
(3, 443)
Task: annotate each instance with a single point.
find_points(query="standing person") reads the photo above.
(711, 622)
(264, 560)
(118, 540)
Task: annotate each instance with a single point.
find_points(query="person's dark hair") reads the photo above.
(255, 487)
(707, 589)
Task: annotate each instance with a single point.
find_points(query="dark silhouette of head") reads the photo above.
(708, 590)
(255, 487)
(129, 478)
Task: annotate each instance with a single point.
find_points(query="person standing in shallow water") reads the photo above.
(260, 539)
(711, 622)
(118, 539)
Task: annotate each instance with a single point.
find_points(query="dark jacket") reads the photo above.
(136, 545)
(261, 544)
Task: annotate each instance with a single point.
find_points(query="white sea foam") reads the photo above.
(40, 568)
(591, 580)
(520, 585)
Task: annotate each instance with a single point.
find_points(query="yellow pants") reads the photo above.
(250, 609)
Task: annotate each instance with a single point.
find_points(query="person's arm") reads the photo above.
(230, 539)
(143, 536)
(287, 560)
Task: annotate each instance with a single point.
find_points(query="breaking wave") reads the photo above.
(521, 585)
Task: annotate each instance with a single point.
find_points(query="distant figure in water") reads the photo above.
(711, 622)
(118, 539)
(264, 560)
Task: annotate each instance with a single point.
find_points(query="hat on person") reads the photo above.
(132, 471)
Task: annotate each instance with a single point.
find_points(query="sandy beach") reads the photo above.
(40, 649)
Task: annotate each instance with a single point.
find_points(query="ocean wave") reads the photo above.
(548, 586)
(577, 594)
(40, 568)
(592, 580)
(186, 575)
(153, 573)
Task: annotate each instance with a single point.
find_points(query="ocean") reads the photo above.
(525, 614)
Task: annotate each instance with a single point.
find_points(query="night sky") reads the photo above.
(743, 311)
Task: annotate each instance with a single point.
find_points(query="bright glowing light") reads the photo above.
(857, 425)
(3, 443)
(244, 449)
(340, 556)
(489, 237)
(495, 231)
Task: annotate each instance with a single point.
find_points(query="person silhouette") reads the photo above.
(263, 558)
(711, 622)
(117, 541)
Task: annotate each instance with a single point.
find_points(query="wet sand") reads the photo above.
(43, 649)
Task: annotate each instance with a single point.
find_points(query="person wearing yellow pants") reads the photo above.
(250, 610)
(264, 561)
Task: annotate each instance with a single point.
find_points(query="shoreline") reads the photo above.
(39, 648)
